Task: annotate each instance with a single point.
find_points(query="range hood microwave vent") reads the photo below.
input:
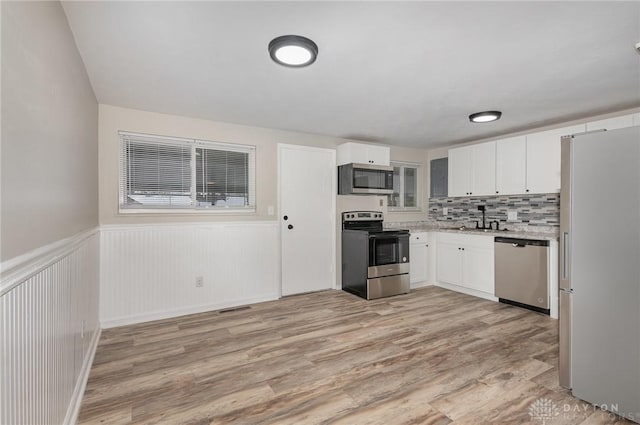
(365, 179)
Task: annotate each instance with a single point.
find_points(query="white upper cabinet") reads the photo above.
(472, 170)
(518, 165)
(460, 171)
(511, 165)
(543, 159)
(362, 153)
(484, 169)
(612, 123)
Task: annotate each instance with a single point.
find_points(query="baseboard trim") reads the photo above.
(168, 314)
(81, 384)
(467, 291)
(422, 284)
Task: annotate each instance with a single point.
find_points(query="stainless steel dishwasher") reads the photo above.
(521, 273)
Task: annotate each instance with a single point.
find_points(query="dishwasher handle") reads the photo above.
(521, 243)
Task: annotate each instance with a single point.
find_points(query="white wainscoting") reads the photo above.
(49, 331)
(149, 272)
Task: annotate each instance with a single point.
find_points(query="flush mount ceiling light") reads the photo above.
(486, 116)
(293, 51)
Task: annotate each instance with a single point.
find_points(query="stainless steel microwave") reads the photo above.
(365, 179)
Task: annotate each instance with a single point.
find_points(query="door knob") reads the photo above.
(290, 226)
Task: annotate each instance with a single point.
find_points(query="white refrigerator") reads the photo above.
(599, 269)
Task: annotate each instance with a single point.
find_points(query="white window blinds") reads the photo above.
(171, 173)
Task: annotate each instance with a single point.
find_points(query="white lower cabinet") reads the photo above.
(418, 258)
(465, 261)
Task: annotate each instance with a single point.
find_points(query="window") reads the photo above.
(164, 173)
(406, 188)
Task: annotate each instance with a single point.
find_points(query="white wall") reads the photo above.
(150, 261)
(49, 131)
(112, 119)
(49, 213)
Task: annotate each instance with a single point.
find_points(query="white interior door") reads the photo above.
(307, 194)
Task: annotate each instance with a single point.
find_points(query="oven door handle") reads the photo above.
(388, 235)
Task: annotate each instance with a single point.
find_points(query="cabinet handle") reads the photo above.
(526, 190)
(426, 245)
(496, 191)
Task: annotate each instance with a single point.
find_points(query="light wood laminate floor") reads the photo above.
(430, 357)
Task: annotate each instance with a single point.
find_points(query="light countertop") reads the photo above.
(515, 233)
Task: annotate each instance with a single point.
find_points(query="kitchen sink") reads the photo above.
(473, 229)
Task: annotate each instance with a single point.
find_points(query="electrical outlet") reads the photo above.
(445, 211)
(381, 202)
(199, 282)
(512, 215)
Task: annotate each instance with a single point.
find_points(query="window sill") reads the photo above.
(404, 210)
(178, 211)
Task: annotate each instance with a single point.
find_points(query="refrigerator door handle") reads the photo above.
(565, 255)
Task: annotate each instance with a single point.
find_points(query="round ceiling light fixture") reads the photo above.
(293, 51)
(486, 116)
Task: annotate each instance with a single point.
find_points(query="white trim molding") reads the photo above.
(170, 313)
(19, 269)
(81, 383)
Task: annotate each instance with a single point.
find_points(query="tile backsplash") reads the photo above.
(532, 210)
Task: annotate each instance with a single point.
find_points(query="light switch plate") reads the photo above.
(512, 215)
(445, 211)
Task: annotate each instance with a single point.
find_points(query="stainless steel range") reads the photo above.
(375, 262)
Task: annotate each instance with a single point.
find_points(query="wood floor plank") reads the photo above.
(432, 356)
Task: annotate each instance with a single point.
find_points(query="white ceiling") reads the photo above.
(403, 73)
